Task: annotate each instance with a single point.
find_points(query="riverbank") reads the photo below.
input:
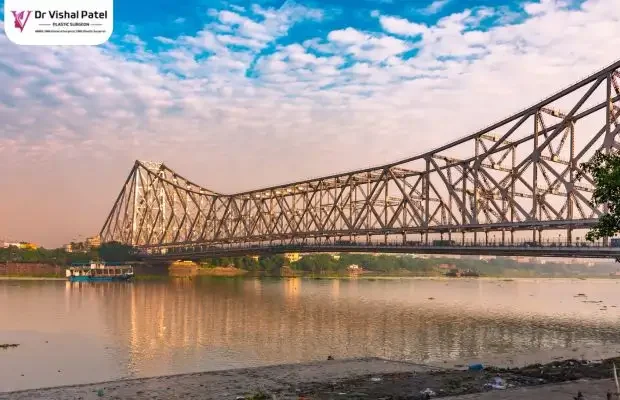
(31, 278)
(370, 378)
(221, 271)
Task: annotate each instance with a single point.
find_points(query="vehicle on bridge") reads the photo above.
(98, 272)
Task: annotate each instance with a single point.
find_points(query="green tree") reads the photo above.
(272, 264)
(113, 252)
(605, 171)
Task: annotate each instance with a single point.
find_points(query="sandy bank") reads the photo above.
(283, 380)
(369, 378)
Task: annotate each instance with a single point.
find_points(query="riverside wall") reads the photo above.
(32, 270)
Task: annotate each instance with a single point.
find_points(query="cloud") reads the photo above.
(434, 7)
(401, 26)
(247, 100)
(544, 7)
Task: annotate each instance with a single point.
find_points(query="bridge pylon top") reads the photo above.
(151, 165)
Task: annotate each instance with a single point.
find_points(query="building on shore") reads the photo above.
(292, 257)
(93, 242)
(20, 245)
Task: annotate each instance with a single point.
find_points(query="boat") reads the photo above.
(99, 272)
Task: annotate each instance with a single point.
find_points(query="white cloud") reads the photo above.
(544, 6)
(401, 26)
(347, 36)
(362, 46)
(242, 119)
(434, 7)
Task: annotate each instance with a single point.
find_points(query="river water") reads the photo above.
(79, 332)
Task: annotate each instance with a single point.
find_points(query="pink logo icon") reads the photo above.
(20, 19)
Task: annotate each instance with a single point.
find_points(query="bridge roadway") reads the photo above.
(573, 250)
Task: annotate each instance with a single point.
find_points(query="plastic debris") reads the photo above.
(376, 379)
(428, 392)
(497, 384)
(476, 367)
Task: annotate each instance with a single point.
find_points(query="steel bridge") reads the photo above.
(514, 187)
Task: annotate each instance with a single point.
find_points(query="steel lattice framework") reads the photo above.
(520, 174)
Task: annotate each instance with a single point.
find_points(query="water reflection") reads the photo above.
(110, 330)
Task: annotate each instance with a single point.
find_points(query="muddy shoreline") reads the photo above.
(370, 378)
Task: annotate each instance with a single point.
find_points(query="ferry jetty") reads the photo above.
(99, 272)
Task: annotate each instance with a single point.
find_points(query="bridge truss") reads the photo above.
(520, 176)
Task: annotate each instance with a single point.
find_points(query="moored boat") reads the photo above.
(99, 272)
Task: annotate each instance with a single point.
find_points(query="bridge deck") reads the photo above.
(199, 252)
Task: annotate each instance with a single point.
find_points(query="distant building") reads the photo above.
(292, 257)
(20, 245)
(93, 242)
(69, 248)
(354, 269)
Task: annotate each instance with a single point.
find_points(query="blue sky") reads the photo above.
(240, 95)
(166, 19)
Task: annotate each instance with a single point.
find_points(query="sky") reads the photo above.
(240, 95)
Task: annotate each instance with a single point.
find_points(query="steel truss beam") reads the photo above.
(519, 174)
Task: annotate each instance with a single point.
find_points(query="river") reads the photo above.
(73, 333)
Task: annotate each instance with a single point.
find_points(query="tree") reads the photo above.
(115, 252)
(605, 171)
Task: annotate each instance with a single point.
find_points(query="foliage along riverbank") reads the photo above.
(321, 265)
(326, 265)
(111, 252)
